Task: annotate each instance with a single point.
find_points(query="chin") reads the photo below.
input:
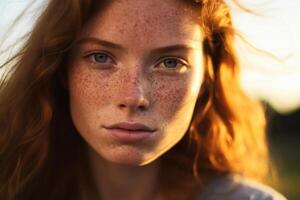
(126, 156)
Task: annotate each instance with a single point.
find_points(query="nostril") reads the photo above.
(134, 103)
(122, 106)
(142, 107)
(139, 107)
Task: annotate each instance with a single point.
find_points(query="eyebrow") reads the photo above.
(159, 50)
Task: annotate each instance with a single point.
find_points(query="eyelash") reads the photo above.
(180, 61)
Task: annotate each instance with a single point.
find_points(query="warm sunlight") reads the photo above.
(271, 73)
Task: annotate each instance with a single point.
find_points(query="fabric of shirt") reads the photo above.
(235, 187)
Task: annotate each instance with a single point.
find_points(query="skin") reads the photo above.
(132, 84)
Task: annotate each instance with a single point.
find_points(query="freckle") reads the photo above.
(90, 89)
(121, 31)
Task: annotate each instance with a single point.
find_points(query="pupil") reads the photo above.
(170, 63)
(100, 57)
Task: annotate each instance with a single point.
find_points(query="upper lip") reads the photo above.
(131, 126)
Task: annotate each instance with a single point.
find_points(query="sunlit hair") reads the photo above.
(42, 155)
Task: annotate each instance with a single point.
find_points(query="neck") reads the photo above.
(120, 181)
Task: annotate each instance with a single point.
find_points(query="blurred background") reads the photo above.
(268, 44)
(271, 72)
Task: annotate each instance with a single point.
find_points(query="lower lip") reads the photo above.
(128, 135)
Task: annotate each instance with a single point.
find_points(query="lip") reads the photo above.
(131, 127)
(130, 132)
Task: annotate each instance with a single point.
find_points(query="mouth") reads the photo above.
(131, 127)
(130, 132)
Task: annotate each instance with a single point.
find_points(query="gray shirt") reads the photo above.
(234, 187)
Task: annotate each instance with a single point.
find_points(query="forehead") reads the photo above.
(145, 23)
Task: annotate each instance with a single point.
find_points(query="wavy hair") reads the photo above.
(42, 155)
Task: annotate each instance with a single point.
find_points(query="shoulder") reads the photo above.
(234, 187)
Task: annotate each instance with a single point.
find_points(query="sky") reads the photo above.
(270, 71)
(273, 72)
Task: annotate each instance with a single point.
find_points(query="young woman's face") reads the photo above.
(136, 62)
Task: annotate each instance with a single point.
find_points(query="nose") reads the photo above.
(133, 94)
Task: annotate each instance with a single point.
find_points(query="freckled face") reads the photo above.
(137, 79)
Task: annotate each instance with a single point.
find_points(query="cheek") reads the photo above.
(175, 102)
(172, 95)
(89, 96)
(88, 89)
